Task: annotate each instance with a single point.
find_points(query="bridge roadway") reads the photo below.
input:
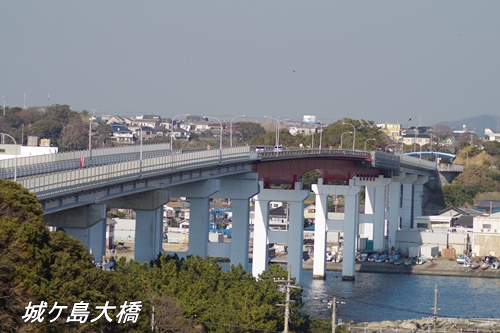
(72, 189)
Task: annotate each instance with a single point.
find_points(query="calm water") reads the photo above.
(377, 297)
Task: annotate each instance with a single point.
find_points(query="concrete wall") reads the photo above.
(410, 238)
(124, 230)
(486, 244)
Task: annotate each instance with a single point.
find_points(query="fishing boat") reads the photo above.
(485, 266)
(399, 261)
(409, 261)
(421, 260)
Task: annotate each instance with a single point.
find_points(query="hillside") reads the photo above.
(476, 123)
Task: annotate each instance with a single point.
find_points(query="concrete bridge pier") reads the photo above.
(320, 229)
(375, 205)
(198, 194)
(296, 199)
(394, 209)
(418, 195)
(407, 202)
(239, 189)
(148, 207)
(351, 220)
(87, 223)
(294, 235)
(350, 226)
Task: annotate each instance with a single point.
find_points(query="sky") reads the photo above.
(384, 61)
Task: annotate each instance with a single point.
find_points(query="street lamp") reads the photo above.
(231, 129)
(277, 130)
(354, 135)
(4, 99)
(369, 140)
(172, 128)
(342, 138)
(90, 135)
(140, 152)
(15, 156)
(220, 122)
(320, 133)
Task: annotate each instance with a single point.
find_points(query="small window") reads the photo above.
(486, 226)
(422, 225)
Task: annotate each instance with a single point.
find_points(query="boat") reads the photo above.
(373, 257)
(474, 265)
(461, 259)
(495, 264)
(485, 266)
(421, 260)
(381, 258)
(409, 261)
(337, 257)
(329, 256)
(362, 257)
(398, 261)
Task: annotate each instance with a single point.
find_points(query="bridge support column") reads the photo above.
(239, 189)
(87, 223)
(394, 210)
(375, 199)
(261, 231)
(148, 234)
(198, 194)
(407, 204)
(296, 199)
(148, 207)
(418, 194)
(320, 230)
(295, 231)
(351, 219)
(350, 226)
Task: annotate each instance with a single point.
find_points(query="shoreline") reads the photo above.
(439, 266)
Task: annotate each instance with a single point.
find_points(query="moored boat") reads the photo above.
(409, 261)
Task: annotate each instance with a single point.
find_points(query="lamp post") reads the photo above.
(4, 99)
(231, 129)
(320, 134)
(354, 135)
(90, 135)
(220, 122)
(172, 128)
(369, 140)
(277, 129)
(342, 139)
(140, 152)
(15, 156)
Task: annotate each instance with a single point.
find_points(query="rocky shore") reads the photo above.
(449, 325)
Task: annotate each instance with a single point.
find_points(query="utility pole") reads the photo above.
(334, 313)
(435, 306)
(288, 285)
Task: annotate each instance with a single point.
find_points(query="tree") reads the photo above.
(46, 129)
(74, 136)
(249, 130)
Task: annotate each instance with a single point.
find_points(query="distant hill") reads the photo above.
(476, 123)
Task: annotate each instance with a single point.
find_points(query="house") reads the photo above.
(486, 236)
(148, 120)
(147, 132)
(119, 120)
(122, 134)
(392, 130)
(451, 217)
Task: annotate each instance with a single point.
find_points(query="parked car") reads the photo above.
(279, 148)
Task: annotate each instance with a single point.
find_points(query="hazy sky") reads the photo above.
(385, 61)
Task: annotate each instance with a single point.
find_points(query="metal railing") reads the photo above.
(92, 177)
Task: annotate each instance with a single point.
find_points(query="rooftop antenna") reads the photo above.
(48, 99)
(24, 101)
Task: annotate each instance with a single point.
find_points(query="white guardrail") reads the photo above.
(66, 181)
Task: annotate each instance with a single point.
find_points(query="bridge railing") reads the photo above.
(305, 152)
(74, 180)
(450, 168)
(41, 164)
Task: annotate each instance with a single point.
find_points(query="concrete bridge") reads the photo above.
(75, 192)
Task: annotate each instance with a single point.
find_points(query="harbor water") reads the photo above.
(380, 296)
